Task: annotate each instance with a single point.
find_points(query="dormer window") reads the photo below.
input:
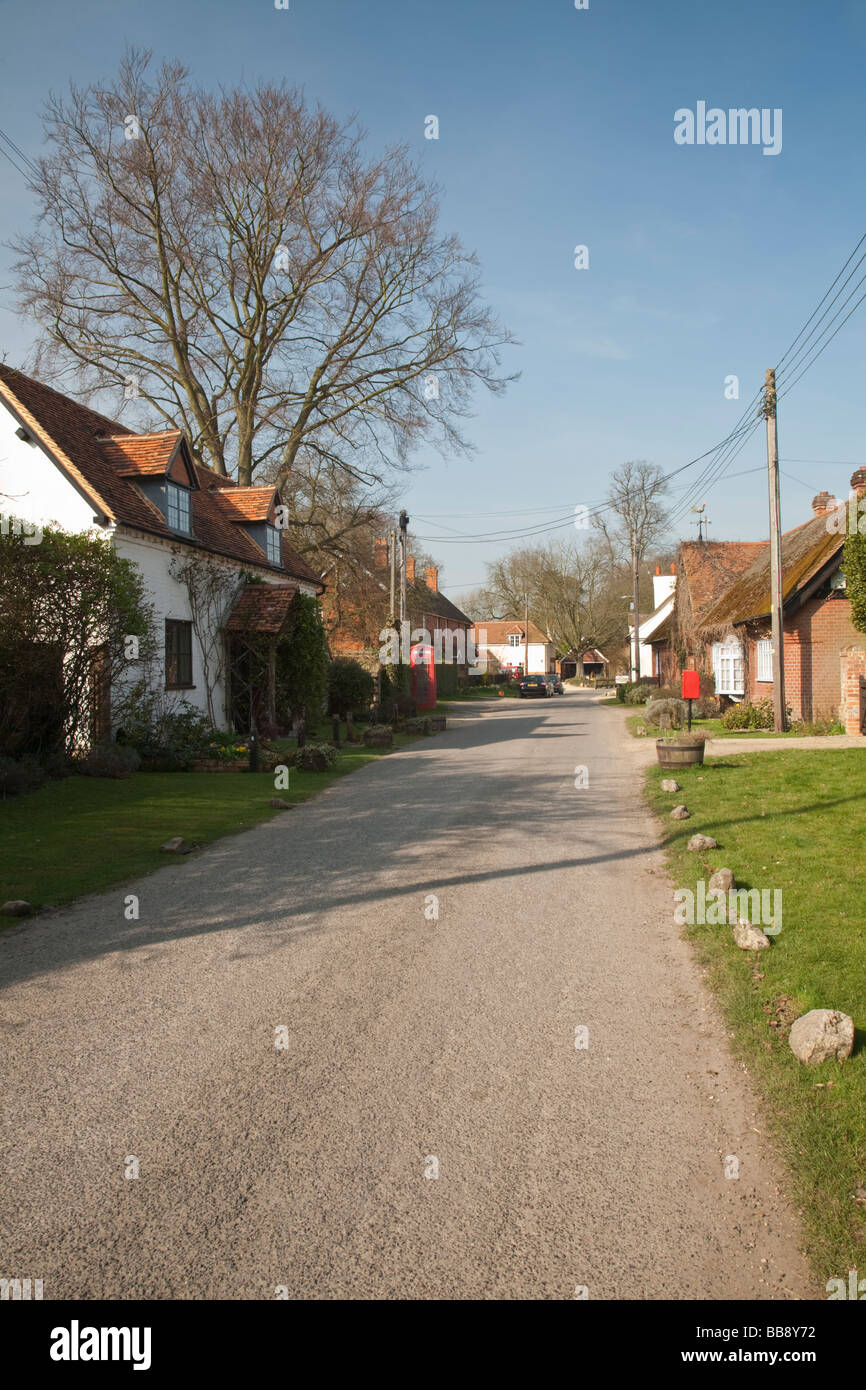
(177, 509)
(274, 548)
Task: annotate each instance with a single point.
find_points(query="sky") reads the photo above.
(556, 130)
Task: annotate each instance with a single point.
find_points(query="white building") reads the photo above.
(664, 586)
(502, 646)
(66, 465)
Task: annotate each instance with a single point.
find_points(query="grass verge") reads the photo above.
(83, 834)
(794, 821)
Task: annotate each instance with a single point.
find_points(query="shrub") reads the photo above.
(638, 693)
(350, 686)
(669, 711)
(170, 739)
(110, 760)
(315, 757)
(746, 715)
(20, 775)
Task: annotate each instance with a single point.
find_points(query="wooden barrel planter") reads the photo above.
(674, 753)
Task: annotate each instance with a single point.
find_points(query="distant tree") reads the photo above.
(350, 686)
(632, 522)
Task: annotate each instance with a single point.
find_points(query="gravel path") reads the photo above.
(408, 1040)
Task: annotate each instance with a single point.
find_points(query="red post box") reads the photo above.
(691, 685)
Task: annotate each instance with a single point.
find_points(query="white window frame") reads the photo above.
(177, 508)
(515, 639)
(273, 549)
(729, 667)
(764, 659)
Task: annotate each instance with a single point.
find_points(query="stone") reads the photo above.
(16, 907)
(669, 785)
(177, 845)
(750, 938)
(701, 842)
(820, 1035)
(680, 813)
(724, 879)
(279, 804)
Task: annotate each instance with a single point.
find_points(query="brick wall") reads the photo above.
(853, 679)
(815, 636)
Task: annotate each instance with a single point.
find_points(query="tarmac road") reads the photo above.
(414, 1045)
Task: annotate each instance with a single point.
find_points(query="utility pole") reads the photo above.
(404, 523)
(526, 637)
(780, 714)
(635, 584)
(392, 547)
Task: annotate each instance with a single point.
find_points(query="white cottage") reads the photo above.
(63, 464)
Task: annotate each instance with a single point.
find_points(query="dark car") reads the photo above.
(535, 685)
(556, 683)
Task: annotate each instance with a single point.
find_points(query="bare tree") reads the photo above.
(634, 521)
(238, 265)
(572, 589)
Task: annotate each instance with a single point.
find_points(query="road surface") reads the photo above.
(414, 1046)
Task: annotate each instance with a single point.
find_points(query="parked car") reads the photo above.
(556, 683)
(535, 685)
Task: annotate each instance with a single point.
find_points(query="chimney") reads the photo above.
(432, 580)
(410, 569)
(673, 566)
(858, 482)
(380, 554)
(824, 503)
(658, 569)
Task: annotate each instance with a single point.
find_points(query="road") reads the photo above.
(412, 1046)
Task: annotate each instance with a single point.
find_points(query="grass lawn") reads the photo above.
(476, 692)
(82, 834)
(794, 821)
(714, 728)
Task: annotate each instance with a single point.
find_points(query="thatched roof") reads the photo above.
(805, 552)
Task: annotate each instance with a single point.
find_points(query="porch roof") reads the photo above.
(261, 608)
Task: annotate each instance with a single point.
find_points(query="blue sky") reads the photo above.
(556, 129)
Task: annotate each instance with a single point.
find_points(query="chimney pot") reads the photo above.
(858, 481)
(822, 503)
(433, 578)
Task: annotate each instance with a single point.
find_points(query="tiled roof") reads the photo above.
(145, 455)
(499, 632)
(261, 608)
(247, 503)
(805, 551)
(421, 599)
(99, 455)
(710, 567)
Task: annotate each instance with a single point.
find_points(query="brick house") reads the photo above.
(355, 620)
(703, 571)
(825, 655)
(63, 464)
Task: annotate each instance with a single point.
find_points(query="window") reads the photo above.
(764, 659)
(515, 639)
(177, 508)
(178, 655)
(728, 667)
(274, 549)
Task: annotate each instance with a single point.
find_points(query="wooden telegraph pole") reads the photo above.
(635, 584)
(404, 524)
(780, 714)
(526, 636)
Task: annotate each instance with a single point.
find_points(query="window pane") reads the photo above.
(178, 653)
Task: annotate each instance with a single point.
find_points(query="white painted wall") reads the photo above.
(32, 486)
(541, 654)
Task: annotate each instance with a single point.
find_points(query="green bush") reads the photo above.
(746, 715)
(350, 686)
(446, 679)
(169, 739)
(110, 760)
(669, 711)
(638, 693)
(315, 757)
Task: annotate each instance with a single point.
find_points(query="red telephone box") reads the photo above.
(423, 669)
